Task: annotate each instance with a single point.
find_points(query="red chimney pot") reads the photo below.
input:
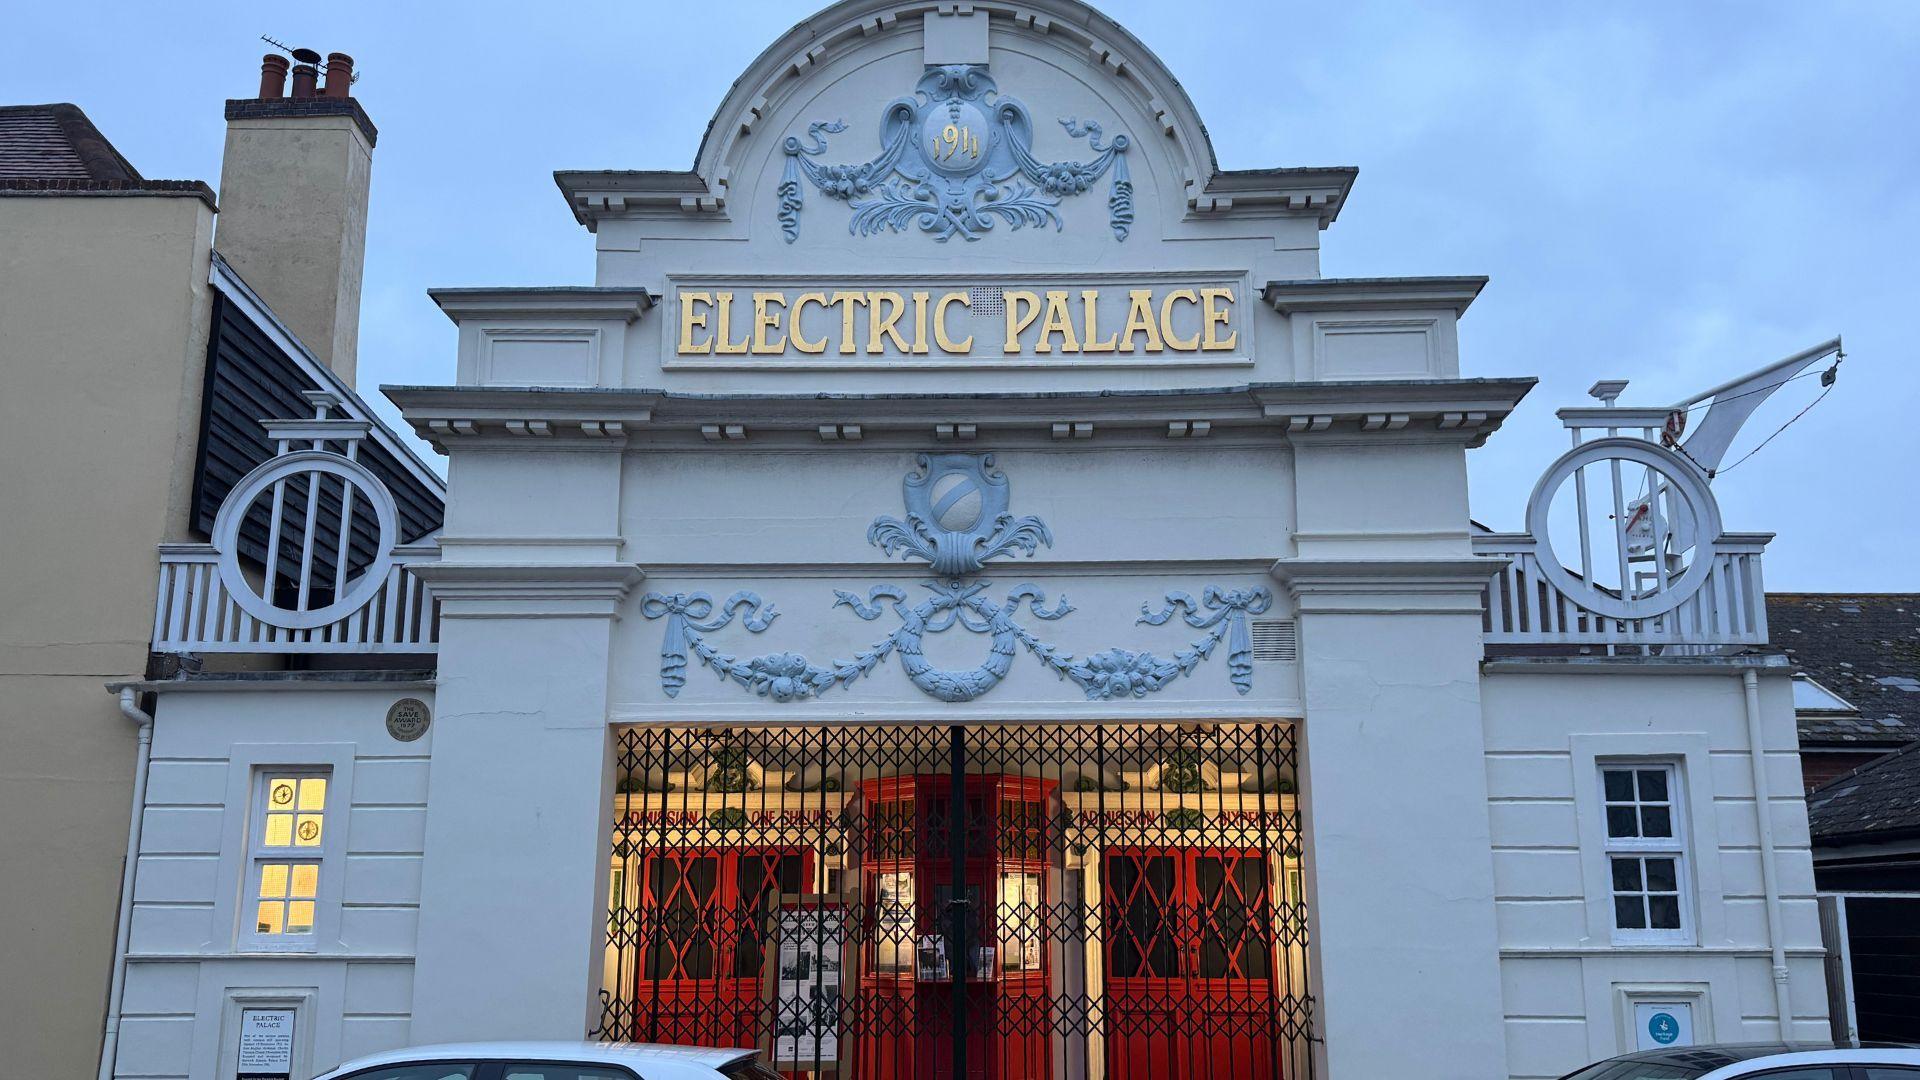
(339, 75)
(304, 78)
(273, 76)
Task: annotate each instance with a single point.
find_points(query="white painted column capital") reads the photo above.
(530, 590)
(1373, 586)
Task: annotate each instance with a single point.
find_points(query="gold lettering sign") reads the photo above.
(883, 323)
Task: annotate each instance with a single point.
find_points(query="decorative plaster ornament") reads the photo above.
(957, 516)
(1104, 675)
(952, 158)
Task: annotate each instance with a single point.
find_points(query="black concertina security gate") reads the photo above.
(1028, 902)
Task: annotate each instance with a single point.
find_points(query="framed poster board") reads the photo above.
(266, 1044)
(811, 949)
(893, 932)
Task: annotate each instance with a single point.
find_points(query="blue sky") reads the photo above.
(1670, 193)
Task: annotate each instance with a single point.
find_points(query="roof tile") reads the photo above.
(1864, 647)
(1877, 801)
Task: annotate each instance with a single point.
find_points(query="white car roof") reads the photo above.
(653, 1061)
(1836, 1056)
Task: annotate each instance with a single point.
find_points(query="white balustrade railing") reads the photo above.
(1525, 607)
(302, 597)
(195, 613)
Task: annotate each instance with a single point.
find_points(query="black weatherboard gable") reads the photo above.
(250, 378)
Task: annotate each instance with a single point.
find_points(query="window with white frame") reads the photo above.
(287, 843)
(1646, 852)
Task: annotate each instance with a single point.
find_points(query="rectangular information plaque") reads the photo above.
(266, 1044)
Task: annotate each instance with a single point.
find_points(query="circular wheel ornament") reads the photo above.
(1669, 478)
(295, 469)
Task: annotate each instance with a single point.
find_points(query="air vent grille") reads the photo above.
(1275, 641)
(987, 301)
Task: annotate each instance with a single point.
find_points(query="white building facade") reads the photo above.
(962, 593)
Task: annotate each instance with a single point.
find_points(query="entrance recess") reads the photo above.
(992, 902)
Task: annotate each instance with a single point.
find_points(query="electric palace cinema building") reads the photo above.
(961, 594)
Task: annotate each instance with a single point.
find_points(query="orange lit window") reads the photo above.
(289, 837)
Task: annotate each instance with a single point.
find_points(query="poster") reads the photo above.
(807, 987)
(266, 1044)
(933, 959)
(1019, 918)
(893, 930)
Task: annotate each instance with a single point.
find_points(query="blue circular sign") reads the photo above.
(1663, 1027)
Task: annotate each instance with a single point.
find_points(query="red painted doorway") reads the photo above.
(1189, 963)
(703, 957)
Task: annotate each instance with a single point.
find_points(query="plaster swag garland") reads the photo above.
(1103, 675)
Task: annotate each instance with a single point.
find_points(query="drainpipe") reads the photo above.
(123, 924)
(1769, 873)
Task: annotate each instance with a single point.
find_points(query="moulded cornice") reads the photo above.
(244, 682)
(529, 590)
(1774, 663)
(1373, 294)
(1601, 416)
(1434, 585)
(1316, 191)
(1448, 409)
(559, 302)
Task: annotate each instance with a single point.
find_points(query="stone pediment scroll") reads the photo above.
(954, 157)
(957, 519)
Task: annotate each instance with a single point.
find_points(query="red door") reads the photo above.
(1189, 963)
(704, 922)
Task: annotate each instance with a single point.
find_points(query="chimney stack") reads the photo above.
(293, 200)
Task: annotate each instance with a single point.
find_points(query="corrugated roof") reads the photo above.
(1877, 801)
(1864, 647)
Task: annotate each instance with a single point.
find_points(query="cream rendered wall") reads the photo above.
(188, 966)
(1563, 979)
(103, 322)
(293, 224)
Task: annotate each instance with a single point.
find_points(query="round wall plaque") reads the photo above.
(407, 719)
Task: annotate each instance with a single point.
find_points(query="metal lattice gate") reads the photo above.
(1027, 902)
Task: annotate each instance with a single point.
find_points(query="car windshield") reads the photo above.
(1636, 1070)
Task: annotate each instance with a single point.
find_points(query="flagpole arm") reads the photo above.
(1799, 359)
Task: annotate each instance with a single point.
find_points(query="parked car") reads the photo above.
(556, 1061)
(1773, 1061)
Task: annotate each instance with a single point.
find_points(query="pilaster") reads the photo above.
(515, 875)
(1394, 805)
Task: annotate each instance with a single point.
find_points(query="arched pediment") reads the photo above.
(852, 103)
(1067, 25)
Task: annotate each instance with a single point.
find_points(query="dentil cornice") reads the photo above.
(1453, 410)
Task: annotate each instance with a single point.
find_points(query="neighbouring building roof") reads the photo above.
(1877, 801)
(54, 150)
(1863, 647)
